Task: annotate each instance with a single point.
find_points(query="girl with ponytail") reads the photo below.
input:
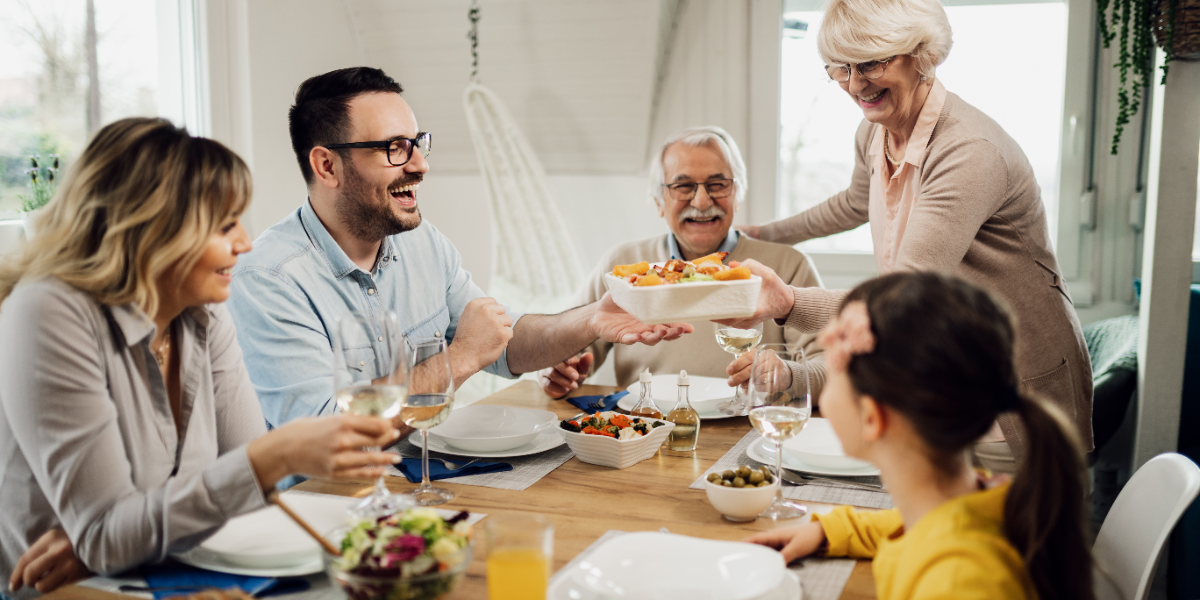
(920, 365)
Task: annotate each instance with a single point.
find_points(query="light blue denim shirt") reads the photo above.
(289, 291)
(731, 240)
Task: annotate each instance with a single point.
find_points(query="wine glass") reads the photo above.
(430, 395)
(369, 373)
(736, 342)
(782, 405)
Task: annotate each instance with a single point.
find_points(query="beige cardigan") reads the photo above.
(698, 352)
(978, 215)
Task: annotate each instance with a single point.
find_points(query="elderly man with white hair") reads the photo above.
(697, 182)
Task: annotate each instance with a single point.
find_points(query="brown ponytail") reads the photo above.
(1044, 514)
(943, 358)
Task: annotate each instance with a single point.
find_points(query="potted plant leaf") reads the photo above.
(43, 180)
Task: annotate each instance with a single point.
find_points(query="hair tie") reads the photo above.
(847, 335)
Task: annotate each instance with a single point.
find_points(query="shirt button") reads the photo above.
(371, 292)
(361, 363)
(437, 334)
(381, 338)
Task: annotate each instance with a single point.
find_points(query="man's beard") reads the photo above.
(368, 219)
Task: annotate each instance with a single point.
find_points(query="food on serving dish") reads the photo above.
(408, 544)
(743, 477)
(705, 268)
(611, 424)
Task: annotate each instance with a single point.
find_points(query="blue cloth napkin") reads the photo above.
(176, 574)
(411, 468)
(610, 401)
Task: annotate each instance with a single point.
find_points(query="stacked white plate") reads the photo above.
(704, 394)
(489, 428)
(662, 566)
(818, 445)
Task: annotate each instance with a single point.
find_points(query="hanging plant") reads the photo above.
(1135, 60)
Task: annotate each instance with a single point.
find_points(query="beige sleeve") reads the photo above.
(843, 211)
(806, 277)
(593, 289)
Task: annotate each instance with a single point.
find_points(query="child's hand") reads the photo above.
(793, 542)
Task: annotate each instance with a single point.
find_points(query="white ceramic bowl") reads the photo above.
(493, 428)
(695, 301)
(740, 504)
(618, 454)
(819, 446)
(704, 393)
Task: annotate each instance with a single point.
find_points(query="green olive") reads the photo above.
(728, 475)
(756, 477)
(764, 484)
(769, 479)
(726, 483)
(714, 477)
(765, 470)
(743, 471)
(738, 482)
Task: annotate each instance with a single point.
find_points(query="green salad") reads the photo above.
(408, 544)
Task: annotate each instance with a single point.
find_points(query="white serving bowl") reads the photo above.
(493, 428)
(618, 454)
(704, 393)
(740, 504)
(819, 446)
(695, 301)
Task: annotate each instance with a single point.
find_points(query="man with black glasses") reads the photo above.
(359, 244)
(697, 182)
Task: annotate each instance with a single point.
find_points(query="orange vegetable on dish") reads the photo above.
(650, 278)
(634, 269)
(732, 274)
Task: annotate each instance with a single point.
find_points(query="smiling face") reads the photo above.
(209, 279)
(701, 224)
(378, 199)
(893, 100)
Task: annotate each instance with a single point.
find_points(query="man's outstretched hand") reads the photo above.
(612, 324)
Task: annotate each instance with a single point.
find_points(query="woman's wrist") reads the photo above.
(268, 459)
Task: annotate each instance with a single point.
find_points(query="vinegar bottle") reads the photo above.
(686, 433)
(646, 406)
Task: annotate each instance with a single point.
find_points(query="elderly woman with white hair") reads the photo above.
(944, 188)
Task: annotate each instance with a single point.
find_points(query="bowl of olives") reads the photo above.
(740, 494)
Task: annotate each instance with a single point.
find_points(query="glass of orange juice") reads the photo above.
(520, 550)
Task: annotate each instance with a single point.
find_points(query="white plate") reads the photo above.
(545, 440)
(491, 428)
(665, 391)
(662, 566)
(564, 588)
(267, 543)
(764, 452)
(818, 445)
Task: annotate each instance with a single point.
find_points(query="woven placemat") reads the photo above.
(526, 470)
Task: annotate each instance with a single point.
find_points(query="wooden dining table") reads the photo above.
(584, 501)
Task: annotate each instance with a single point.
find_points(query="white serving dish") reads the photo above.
(618, 454)
(651, 565)
(491, 428)
(818, 445)
(565, 588)
(695, 301)
(740, 504)
(704, 392)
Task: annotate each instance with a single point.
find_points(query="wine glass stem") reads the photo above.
(381, 490)
(425, 458)
(779, 471)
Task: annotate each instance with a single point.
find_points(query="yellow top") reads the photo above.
(957, 550)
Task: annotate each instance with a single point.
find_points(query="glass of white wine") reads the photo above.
(369, 375)
(430, 396)
(782, 402)
(737, 342)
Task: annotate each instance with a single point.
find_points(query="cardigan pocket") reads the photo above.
(1055, 385)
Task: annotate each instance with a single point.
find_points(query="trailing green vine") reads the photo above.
(1137, 20)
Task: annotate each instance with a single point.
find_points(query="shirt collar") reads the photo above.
(135, 326)
(338, 261)
(927, 119)
(731, 240)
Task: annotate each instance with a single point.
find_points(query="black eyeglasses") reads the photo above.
(716, 188)
(399, 150)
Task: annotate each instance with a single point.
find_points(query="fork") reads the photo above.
(453, 466)
(798, 479)
(598, 404)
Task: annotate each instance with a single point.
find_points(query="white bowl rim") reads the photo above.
(550, 421)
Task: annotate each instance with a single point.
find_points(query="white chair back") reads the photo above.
(1136, 528)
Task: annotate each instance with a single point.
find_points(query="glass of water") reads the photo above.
(430, 396)
(369, 377)
(782, 399)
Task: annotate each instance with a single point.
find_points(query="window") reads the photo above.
(50, 100)
(1020, 85)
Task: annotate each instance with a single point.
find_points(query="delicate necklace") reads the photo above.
(160, 353)
(887, 150)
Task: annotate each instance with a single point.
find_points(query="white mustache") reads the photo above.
(692, 212)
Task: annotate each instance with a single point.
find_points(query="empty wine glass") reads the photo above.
(737, 342)
(369, 373)
(430, 396)
(782, 402)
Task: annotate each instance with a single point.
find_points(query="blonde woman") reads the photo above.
(944, 188)
(129, 428)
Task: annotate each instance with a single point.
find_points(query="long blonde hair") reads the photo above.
(134, 212)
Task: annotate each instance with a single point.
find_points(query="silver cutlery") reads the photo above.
(798, 479)
(453, 466)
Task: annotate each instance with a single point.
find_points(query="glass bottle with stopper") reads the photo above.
(646, 406)
(686, 433)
